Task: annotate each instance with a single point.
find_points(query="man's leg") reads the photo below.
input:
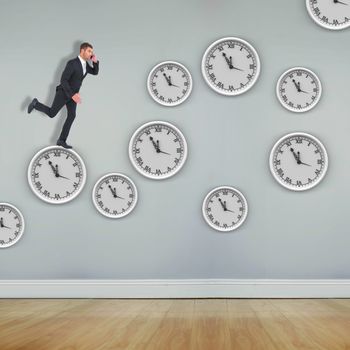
(71, 112)
(59, 101)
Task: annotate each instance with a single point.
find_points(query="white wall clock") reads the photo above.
(330, 14)
(225, 208)
(11, 225)
(158, 150)
(299, 89)
(298, 161)
(56, 175)
(230, 66)
(169, 83)
(114, 195)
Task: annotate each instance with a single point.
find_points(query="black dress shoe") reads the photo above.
(63, 144)
(32, 105)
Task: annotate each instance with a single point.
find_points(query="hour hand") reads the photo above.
(154, 144)
(300, 162)
(295, 155)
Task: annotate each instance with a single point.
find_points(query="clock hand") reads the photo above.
(300, 162)
(295, 156)
(53, 168)
(226, 208)
(222, 204)
(229, 62)
(154, 144)
(2, 223)
(171, 84)
(114, 192)
(58, 174)
(297, 85)
(339, 2)
(167, 79)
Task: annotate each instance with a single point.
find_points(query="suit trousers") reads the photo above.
(59, 101)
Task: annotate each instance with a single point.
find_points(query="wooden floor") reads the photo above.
(201, 324)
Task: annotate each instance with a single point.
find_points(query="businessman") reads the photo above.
(67, 93)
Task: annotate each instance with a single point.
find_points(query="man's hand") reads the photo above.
(76, 98)
(94, 58)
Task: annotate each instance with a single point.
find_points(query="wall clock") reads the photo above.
(230, 66)
(299, 89)
(114, 195)
(56, 175)
(169, 83)
(330, 14)
(225, 208)
(11, 225)
(158, 150)
(298, 161)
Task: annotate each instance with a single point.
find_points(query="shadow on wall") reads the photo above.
(51, 93)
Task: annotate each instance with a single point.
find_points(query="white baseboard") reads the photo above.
(186, 288)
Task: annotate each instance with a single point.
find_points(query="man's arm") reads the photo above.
(93, 70)
(67, 73)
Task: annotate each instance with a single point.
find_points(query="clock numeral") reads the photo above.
(225, 225)
(38, 185)
(209, 66)
(280, 172)
(57, 196)
(139, 160)
(252, 66)
(212, 76)
(225, 192)
(176, 160)
(75, 164)
(78, 175)
(320, 161)
(158, 172)
(317, 172)
(325, 19)
(299, 183)
(220, 85)
(57, 153)
(158, 128)
(129, 204)
(131, 195)
(298, 140)
(220, 48)
(186, 83)
(217, 223)
(76, 184)
(231, 45)
(288, 180)
(115, 212)
(249, 76)
(231, 88)
(147, 168)
(277, 162)
(46, 193)
(148, 132)
(179, 150)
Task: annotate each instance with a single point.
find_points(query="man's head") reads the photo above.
(86, 51)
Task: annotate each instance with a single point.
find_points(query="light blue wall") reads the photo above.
(286, 234)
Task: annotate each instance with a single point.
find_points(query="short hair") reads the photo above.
(84, 46)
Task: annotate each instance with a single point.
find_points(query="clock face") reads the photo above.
(158, 150)
(56, 175)
(298, 161)
(330, 14)
(299, 89)
(11, 225)
(169, 83)
(225, 208)
(230, 66)
(114, 195)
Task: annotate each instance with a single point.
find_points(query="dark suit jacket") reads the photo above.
(72, 76)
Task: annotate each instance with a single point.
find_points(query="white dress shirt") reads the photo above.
(83, 63)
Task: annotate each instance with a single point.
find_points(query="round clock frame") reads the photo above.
(318, 85)
(183, 156)
(21, 219)
(180, 67)
(320, 146)
(75, 155)
(251, 52)
(239, 195)
(100, 181)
